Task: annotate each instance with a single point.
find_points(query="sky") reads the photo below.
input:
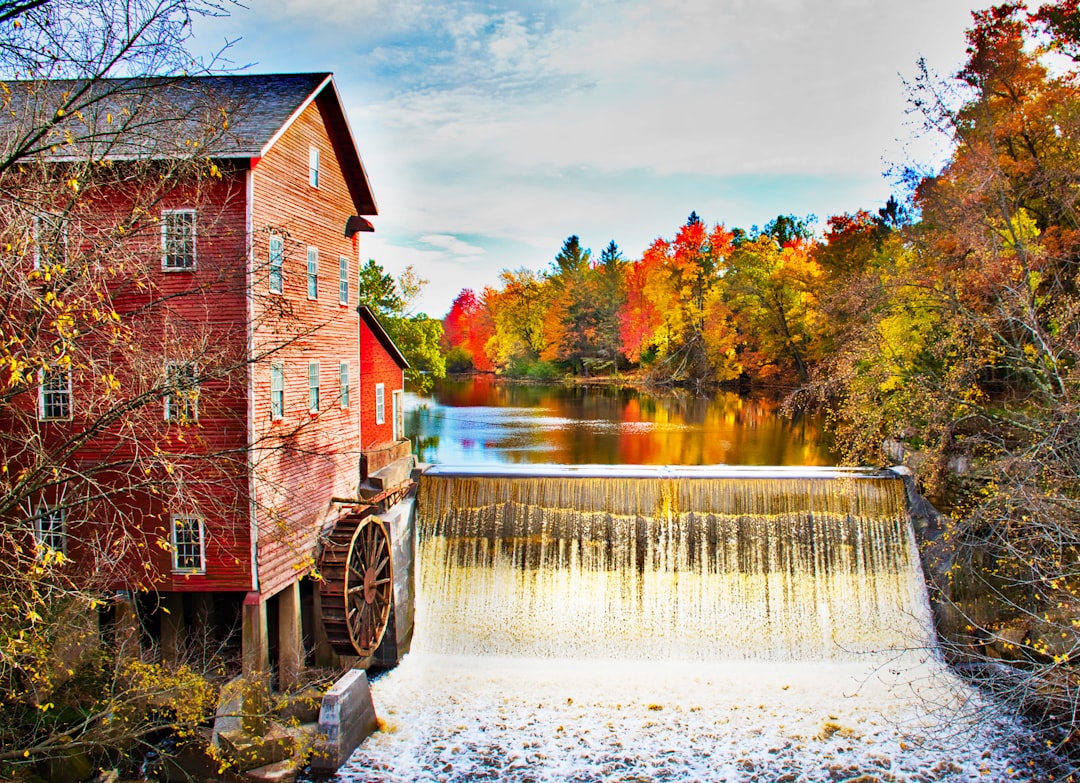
(492, 131)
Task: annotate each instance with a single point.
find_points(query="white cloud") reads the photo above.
(451, 244)
(517, 126)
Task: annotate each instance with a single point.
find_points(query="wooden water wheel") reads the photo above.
(357, 584)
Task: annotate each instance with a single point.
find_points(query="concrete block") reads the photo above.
(389, 476)
(279, 772)
(346, 719)
(249, 752)
(400, 521)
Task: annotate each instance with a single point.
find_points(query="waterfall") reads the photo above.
(663, 564)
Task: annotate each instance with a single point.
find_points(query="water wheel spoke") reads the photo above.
(374, 546)
(370, 545)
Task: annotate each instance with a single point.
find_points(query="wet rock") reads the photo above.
(278, 772)
(301, 707)
(247, 752)
(1006, 643)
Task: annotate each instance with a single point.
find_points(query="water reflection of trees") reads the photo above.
(423, 429)
(612, 425)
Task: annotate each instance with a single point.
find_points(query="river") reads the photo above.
(694, 625)
(484, 421)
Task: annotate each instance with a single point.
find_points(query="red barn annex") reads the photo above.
(241, 326)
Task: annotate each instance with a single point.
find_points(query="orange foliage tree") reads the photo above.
(467, 327)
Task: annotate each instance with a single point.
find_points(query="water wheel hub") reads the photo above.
(371, 578)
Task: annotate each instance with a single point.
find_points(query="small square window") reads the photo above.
(277, 391)
(346, 383)
(380, 403)
(49, 532)
(313, 273)
(313, 167)
(313, 387)
(187, 545)
(343, 280)
(182, 395)
(178, 239)
(54, 395)
(277, 262)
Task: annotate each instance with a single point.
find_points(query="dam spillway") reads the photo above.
(668, 564)
(641, 624)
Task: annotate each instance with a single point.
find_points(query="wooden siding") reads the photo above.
(303, 459)
(297, 463)
(194, 316)
(376, 366)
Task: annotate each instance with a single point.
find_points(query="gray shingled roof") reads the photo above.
(229, 117)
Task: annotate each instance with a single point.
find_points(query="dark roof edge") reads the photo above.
(369, 317)
(341, 136)
(363, 197)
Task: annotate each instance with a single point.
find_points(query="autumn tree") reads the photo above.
(674, 309)
(771, 283)
(609, 299)
(467, 328)
(571, 319)
(417, 335)
(519, 311)
(967, 352)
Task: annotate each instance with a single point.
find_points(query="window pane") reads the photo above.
(182, 399)
(54, 396)
(313, 386)
(345, 385)
(187, 543)
(313, 273)
(277, 259)
(50, 240)
(343, 278)
(49, 529)
(313, 167)
(380, 403)
(178, 239)
(277, 391)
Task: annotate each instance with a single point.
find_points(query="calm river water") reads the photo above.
(486, 421)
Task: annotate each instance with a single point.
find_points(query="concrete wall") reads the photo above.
(400, 521)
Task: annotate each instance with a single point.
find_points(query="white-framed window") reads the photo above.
(380, 403)
(313, 386)
(346, 384)
(49, 530)
(343, 280)
(178, 239)
(313, 273)
(277, 391)
(277, 262)
(397, 398)
(182, 392)
(313, 167)
(49, 239)
(54, 395)
(188, 545)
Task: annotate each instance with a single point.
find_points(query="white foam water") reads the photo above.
(640, 628)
